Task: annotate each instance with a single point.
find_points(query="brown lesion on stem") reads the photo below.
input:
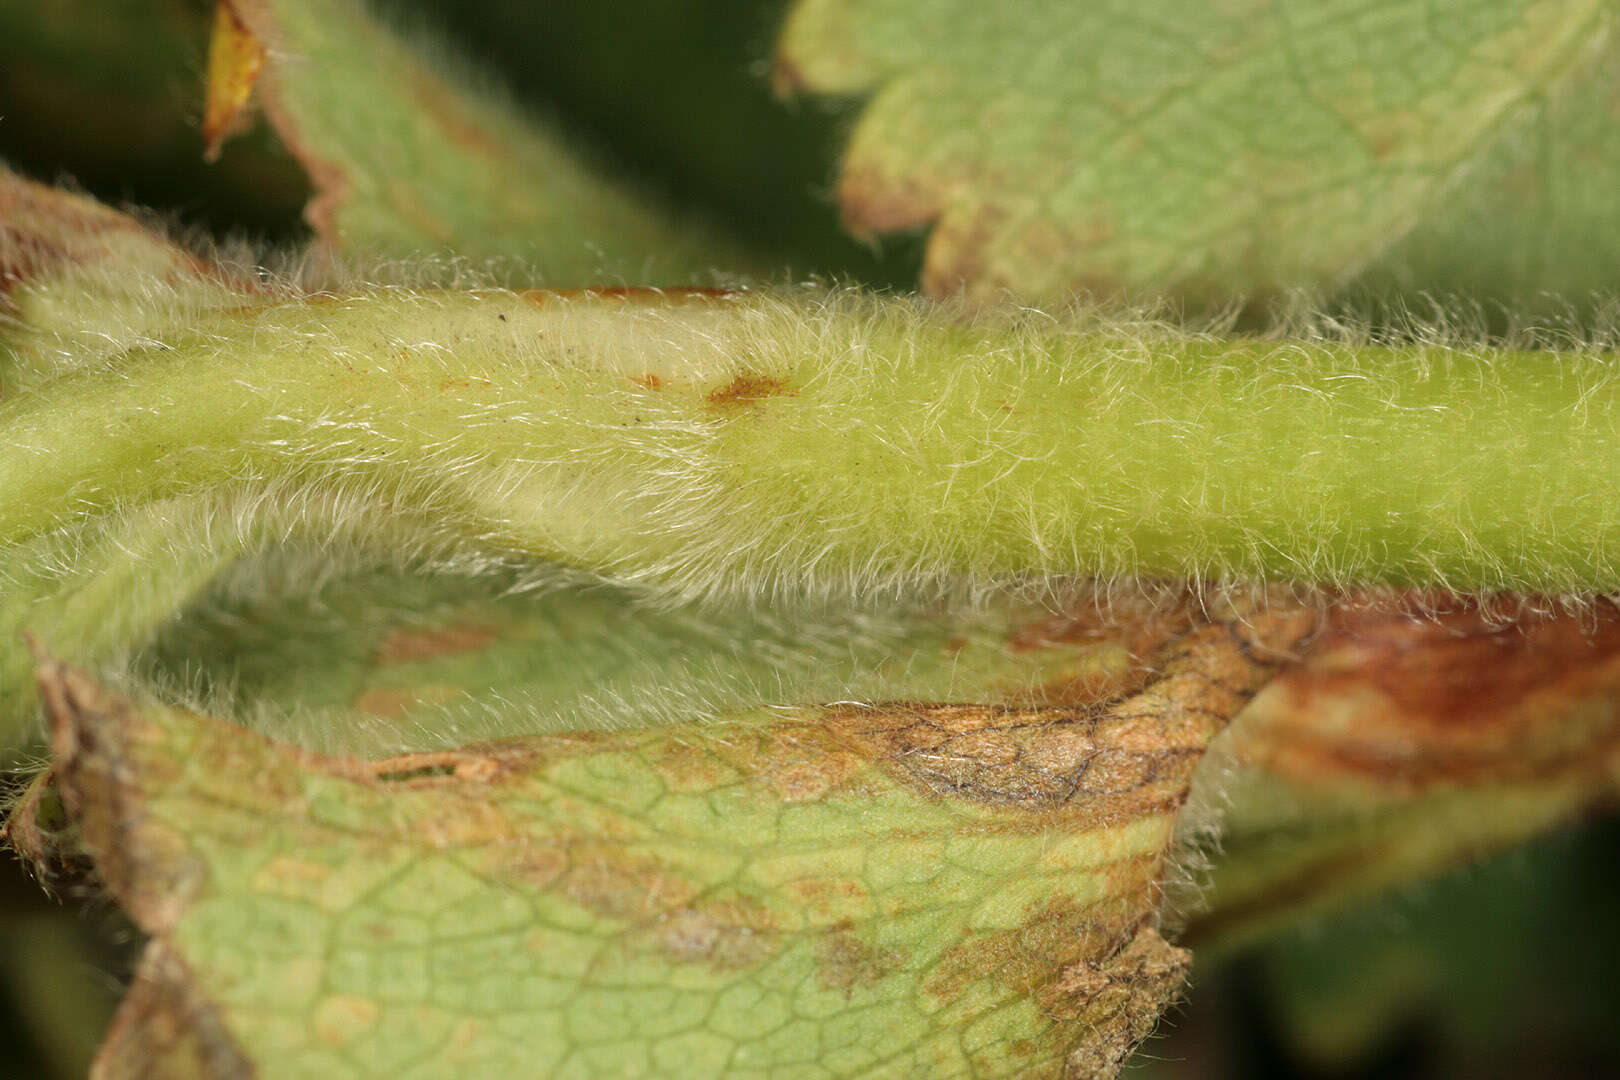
(745, 388)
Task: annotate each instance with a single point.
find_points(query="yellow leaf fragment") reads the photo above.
(235, 59)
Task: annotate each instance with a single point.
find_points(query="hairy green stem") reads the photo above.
(755, 442)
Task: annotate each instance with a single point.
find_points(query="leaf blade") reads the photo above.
(1172, 147)
(964, 916)
(407, 163)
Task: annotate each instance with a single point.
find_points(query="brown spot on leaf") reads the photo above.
(687, 766)
(786, 79)
(341, 1018)
(1099, 975)
(410, 645)
(418, 770)
(637, 891)
(535, 866)
(800, 776)
(846, 963)
(820, 895)
(1110, 760)
(745, 388)
(437, 102)
(1023, 959)
(870, 201)
(1125, 996)
(660, 908)
(954, 263)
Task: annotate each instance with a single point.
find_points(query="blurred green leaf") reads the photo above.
(406, 161)
(1210, 151)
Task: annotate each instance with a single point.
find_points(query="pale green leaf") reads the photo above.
(1209, 150)
(407, 158)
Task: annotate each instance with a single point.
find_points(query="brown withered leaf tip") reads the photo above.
(166, 1029)
(1124, 997)
(145, 869)
(235, 59)
(44, 846)
(1404, 697)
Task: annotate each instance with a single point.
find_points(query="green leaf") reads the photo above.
(1207, 150)
(332, 650)
(873, 890)
(685, 109)
(1530, 229)
(406, 161)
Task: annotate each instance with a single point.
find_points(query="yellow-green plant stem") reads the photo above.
(760, 442)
